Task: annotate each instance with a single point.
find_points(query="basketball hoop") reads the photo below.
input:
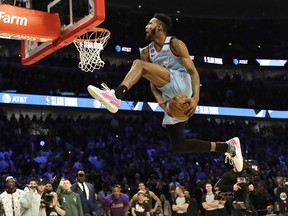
(89, 46)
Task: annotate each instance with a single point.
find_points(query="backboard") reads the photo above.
(76, 17)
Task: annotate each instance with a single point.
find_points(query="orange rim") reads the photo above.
(100, 31)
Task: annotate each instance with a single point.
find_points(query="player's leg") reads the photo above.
(231, 148)
(111, 98)
(155, 73)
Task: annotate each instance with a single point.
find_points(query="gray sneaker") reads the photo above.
(234, 154)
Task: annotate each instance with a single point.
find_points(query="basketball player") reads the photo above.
(166, 63)
(149, 195)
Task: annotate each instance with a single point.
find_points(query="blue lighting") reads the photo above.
(235, 61)
(118, 48)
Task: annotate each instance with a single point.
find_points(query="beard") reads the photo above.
(149, 37)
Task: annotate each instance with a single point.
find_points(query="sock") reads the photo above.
(221, 146)
(120, 91)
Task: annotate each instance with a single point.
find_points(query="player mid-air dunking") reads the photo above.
(166, 63)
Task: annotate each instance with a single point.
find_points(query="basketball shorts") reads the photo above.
(180, 83)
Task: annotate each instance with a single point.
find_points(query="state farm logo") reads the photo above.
(6, 98)
(12, 19)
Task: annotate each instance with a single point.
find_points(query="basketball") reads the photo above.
(176, 108)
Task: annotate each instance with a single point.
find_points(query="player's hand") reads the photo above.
(192, 105)
(152, 211)
(251, 187)
(61, 183)
(236, 187)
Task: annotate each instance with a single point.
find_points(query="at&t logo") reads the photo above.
(6, 98)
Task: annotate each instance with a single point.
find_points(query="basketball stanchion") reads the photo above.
(89, 46)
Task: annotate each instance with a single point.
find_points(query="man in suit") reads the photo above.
(87, 194)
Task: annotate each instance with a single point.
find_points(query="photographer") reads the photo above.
(238, 186)
(50, 205)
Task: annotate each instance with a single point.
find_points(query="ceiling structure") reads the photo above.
(241, 9)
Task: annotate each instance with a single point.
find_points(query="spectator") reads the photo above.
(101, 196)
(41, 185)
(69, 200)
(149, 195)
(174, 183)
(164, 206)
(140, 207)
(116, 203)
(10, 198)
(87, 194)
(30, 199)
(51, 206)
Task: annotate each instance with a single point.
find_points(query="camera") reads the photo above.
(240, 205)
(224, 196)
(48, 198)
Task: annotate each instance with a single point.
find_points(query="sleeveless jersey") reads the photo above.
(165, 57)
(180, 79)
(148, 198)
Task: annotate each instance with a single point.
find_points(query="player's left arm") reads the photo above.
(157, 201)
(179, 49)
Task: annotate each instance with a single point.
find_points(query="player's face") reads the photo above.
(41, 187)
(208, 187)
(141, 187)
(141, 196)
(10, 184)
(32, 185)
(49, 187)
(66, 185)
(178, 191)
(116, 192)
(150, 29)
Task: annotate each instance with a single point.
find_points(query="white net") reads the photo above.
(89, 46)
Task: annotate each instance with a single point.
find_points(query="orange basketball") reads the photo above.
(176, 108)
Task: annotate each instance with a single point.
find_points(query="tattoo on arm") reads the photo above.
(173, 47)
(145, 54)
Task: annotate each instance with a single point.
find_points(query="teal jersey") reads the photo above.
(165, 57)
(180, 79)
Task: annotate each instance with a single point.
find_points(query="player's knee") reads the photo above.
(137, 63)
(141, 65)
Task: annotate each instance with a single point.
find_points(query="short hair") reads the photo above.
(208, 183)
(32, 179)
(181, 188)
(116, 186)
(166, 21)
(141, 183)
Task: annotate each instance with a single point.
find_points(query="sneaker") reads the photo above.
(234, 154)
(106, 96)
